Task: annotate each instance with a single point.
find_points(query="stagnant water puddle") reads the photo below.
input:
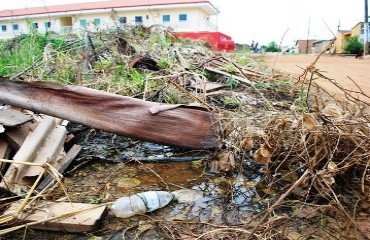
(108, 168)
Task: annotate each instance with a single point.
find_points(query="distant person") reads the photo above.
(256, 47)
(252, 46)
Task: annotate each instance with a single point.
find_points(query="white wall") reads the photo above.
(197, 20)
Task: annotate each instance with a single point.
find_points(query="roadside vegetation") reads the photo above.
(353, 46)
(294, 158)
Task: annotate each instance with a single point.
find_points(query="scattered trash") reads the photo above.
(187, 195)
(141, 203)
(268, 146)
(59, 216)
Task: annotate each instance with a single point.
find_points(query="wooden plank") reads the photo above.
(4, 154)
(61, 166)
(51, 150)
(16, 136)
(84, 221)
(181, 126)
(208, 86)
(243, 80)
(10, 117)
(4, 148)
(27, 153)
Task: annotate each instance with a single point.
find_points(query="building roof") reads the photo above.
(359, 23)
(320, 41)
(101, 5)
(304, 41)
(344, 31)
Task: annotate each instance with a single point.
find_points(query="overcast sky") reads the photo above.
(266, 20)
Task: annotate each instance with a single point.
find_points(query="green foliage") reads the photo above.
(164, 63)
(229, 68)
(353, 46)
(280, 85)
(23, 51)
(300, 102)
(231, 102)
(272, 47)
(244, 60)
(232, 82)
(171, 96)
(210, 75)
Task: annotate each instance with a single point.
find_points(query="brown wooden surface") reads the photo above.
(44, 144)
(61, 166)
(208, 86)
(11, 117)
(16, 136)
(4, 146)
(182, 126)
(84, 221)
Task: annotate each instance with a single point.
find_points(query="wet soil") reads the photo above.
(108, 168)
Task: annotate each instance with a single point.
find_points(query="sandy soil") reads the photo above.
(338, 68)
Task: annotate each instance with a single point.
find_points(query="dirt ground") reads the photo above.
(335, 67)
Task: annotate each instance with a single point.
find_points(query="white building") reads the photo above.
(181, 15)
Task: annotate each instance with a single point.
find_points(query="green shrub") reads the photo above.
(272, 47)
(353, 46)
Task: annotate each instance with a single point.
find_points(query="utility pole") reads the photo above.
(366, 30)
(308, 33)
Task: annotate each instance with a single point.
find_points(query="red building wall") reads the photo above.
(218, 40)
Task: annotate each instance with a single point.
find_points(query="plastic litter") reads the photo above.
(141, 203)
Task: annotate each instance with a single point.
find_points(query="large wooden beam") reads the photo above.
(174, 125)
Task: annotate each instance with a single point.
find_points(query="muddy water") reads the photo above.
(107, 169)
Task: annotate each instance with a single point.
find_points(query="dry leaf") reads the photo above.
(248, 144)
(309, 122)
(227, 161)
(258, 157)
(326, 177)
(332, 167)
(332, 110)
(266, 150)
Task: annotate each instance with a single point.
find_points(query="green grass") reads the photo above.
(21, 52)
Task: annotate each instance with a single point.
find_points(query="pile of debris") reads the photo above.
(302, 144)
(38, 144)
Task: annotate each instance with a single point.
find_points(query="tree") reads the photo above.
(353, 46)
(272, 47)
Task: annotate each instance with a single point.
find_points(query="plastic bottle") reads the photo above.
(141, 203)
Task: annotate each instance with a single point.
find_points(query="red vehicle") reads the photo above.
(218, 40)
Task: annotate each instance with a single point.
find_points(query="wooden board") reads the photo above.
(61, 166)
(208, 86)
(84, 221)
(16, 136)
(10, 117)
(44, 144)
(4, 147)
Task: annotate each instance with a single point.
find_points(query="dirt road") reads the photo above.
(338, 68)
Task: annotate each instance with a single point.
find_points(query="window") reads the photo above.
(123, 20)
(97, 21)
(34, 25)
(83, 23)
(47, 25)
(138, 19)
(183, 17)
(166, 18)
(15, 27)
(3, 28)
